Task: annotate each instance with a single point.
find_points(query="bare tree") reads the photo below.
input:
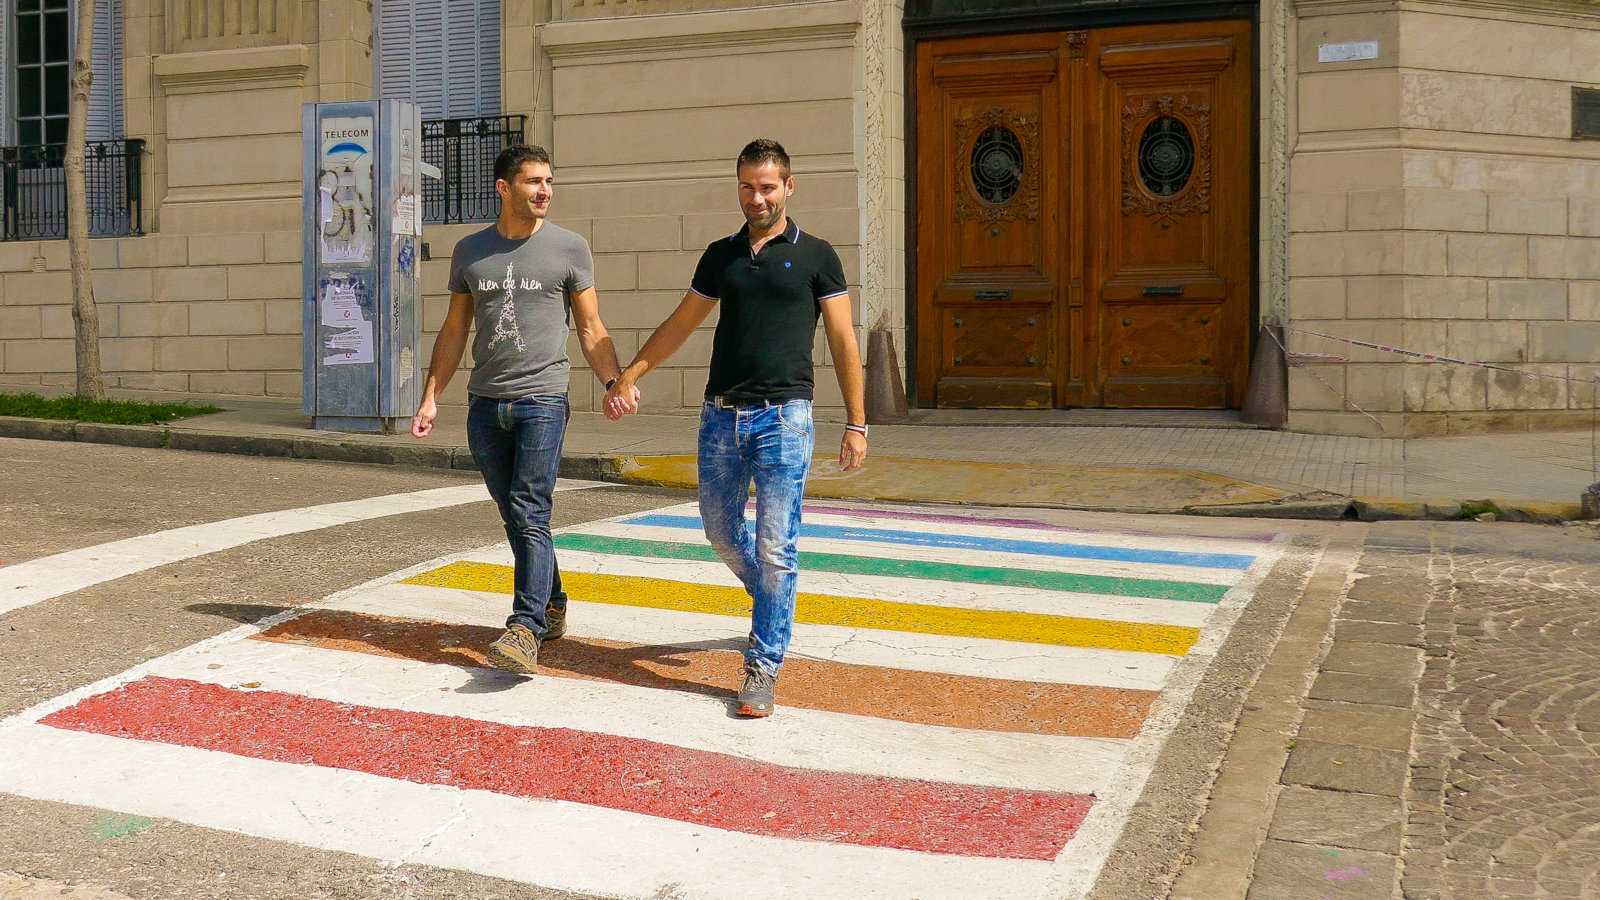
(85, 316)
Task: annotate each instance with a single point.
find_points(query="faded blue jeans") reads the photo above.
(769, 443)
(517, 446)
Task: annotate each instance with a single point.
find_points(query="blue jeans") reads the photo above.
(771, 444)
(517, 446)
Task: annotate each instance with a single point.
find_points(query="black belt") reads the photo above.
(723, 401)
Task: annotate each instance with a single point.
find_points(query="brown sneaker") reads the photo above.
(555, 623)
(516, 651)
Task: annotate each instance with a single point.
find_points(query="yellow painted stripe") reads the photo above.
(830, 609)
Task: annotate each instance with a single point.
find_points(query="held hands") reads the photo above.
(852, 450)
(422, 422)
(623, 398)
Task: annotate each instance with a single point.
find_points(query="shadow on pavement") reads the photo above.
(244, 613)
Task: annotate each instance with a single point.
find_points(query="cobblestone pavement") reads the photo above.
(1450, 742)
(1504, 795)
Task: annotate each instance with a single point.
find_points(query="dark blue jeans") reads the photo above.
(517, 446)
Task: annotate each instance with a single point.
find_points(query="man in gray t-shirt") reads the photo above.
(517, 280)
(519, 294)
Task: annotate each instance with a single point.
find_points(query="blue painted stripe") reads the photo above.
(997, 545)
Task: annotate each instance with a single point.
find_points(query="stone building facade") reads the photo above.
(1044, 204)
(1438, 200)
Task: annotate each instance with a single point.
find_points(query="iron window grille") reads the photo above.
(464, 150)
(33, 179)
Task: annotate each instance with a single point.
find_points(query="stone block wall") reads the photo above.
(202, 314)
(215, 91)
(1438, 202)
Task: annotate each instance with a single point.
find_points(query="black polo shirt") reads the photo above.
(769, 304)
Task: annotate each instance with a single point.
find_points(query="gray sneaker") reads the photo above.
(555, 622)
(516, 651)
(756, 696)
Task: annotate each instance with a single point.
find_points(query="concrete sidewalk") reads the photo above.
(1203, 463)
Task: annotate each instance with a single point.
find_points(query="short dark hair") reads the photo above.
(513, 158)
(764, 150)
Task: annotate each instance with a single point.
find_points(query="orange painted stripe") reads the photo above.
(925, 698)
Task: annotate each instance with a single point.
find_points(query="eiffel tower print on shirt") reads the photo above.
(505, 327)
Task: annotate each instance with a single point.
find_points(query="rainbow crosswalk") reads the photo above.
(970, 708)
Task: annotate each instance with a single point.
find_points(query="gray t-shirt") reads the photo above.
(519, 294)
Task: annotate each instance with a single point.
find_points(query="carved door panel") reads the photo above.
(1083, 234)
(991, 204)
(1171, 272)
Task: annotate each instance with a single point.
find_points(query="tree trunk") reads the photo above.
(85, 316)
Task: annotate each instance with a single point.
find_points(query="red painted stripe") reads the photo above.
(583, 767)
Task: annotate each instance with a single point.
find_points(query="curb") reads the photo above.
(1320, 506)
(588, 468)
(1324, 506)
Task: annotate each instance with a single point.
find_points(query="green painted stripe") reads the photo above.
(929, 571)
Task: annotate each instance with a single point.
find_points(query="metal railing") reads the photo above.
(33, 180)
(465, 150)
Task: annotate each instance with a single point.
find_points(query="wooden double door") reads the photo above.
(1083, 226)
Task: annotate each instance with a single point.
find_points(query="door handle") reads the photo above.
(1163, 290)
(991, 295)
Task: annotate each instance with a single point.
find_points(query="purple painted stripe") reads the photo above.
(1260, 537)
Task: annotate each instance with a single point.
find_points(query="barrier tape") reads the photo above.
(1319, 379)
(1438, 357)
(1299, 360)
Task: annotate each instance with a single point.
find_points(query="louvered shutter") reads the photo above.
(105, 93)
(396, 60)
(461, 59)
(428, 55)
(443, 55)
(488, 41)
(411, 53)
(8, 124)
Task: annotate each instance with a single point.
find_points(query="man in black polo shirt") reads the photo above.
(772, 281)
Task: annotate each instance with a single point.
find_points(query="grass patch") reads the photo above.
(108, 412)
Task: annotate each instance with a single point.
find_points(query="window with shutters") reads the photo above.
(35, 64)
(444, 55)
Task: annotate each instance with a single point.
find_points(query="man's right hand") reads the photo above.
(422, 422)
(623, 398)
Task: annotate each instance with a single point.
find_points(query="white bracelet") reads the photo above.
(858, 429)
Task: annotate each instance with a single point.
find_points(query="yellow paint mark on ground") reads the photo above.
(829, 609)
(991, 484)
